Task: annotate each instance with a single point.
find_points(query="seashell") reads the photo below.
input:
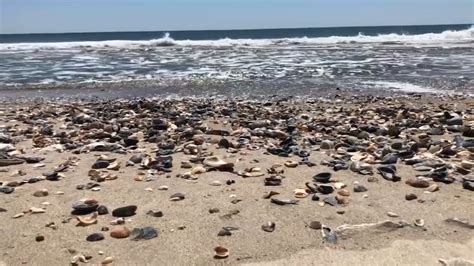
(300, 193)
(221, 252)
(323, 177)
(216, 183)
(107, 260)
(269, 194)
(339, 185)
(467, 164)
(216, 162)
(419, 222)
(392, 214)
(177, 197)
(251, 172)
(276, 169)
(84, 206)
(315, 225)
(86, 220)
(198, 170)
(269, 227)
(163, 188)
(291, 164)
(37, 210)
(114, 166)
(125, 211)
(433, 187)
(144, 233)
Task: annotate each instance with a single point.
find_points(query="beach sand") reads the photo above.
(188, 231)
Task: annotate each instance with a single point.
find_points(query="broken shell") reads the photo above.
(300, 193)
(86, 220)
(291, 164)
(419, 222)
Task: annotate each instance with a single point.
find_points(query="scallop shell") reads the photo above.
(86, 220)
(221, 252)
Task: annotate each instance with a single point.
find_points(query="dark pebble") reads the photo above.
(410, 196)
(125, 211)
(39, 238)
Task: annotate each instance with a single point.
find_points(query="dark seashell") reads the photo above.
(323, 177)
(155, 213)
(269, 227)
(329, 235)
(126, 211)
(272, 181)
(441, 176)
(389, 173)
(468, 184)
(136, 158)
(315, 197)
(224, 232)
(95, 237)
(100, 164)
(177, 197)
(7, 190)
(390, 158)
(283, 201)
(315, 225)
(224, 143)
(85, 206)
(325, 189)
(331, 200)
(32, 159)
(144, 233)
(53, 176)
(130, 142)
(102, 210)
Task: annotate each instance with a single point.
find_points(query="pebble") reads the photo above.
(119, 231)
(433, 187)
(358, 188)
(214, 210)
(39, 238)
(344, 192)
(163, 188)
(392, 214)
(216, 183)
(101, 210)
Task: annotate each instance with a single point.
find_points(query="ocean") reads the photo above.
(435, 58)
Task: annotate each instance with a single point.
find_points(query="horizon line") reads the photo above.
(245, 29)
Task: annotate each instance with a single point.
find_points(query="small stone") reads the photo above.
(358, 188)
(177, 197)
(215, 183)
(344, 192)
(100, 164)
(340, 211)
(120, 231)
(39, 238)
(269, 227)
(372, 179)
(95, 189)
(163, 188)
(417, 182)
(410, 196)
(392, 214)
(339, 185)
(95, 237)
(41, 193)
(224, 232)
(100, 252)
(181, 227)
(149, 189)
(214, 210)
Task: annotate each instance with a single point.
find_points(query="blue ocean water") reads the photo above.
(434, 58)
(232, 34)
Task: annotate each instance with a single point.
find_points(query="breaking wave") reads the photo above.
(442, 38)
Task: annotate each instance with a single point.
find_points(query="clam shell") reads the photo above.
(221, 252)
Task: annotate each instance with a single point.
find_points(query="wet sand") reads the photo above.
(188, 231)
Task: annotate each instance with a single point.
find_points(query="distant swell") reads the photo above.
(427, 38)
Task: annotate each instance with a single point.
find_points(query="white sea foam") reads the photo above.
(402, 86)
(440, 39)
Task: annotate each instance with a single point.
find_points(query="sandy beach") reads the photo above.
(224, 157)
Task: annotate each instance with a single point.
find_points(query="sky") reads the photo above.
(45, 16)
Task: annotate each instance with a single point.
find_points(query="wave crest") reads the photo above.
(442, 38)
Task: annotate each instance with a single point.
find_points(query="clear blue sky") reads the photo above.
(26, 16)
